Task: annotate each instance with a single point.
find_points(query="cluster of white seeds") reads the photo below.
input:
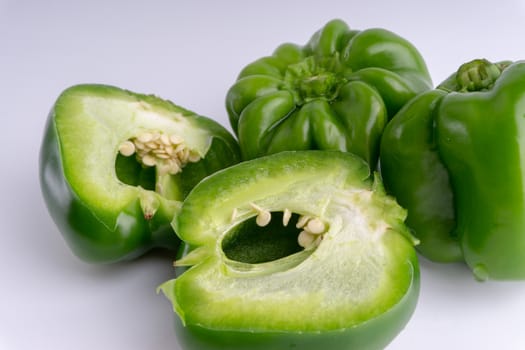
(168, 153)
(312, 228)
(312, 231)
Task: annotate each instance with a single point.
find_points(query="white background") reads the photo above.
(190, 52)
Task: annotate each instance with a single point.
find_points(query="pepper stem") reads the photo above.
(316, 78)
(477, 75)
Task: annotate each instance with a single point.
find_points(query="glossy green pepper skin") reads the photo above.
(337, 92)
(253, 283)
(453, 158)
(109, 206)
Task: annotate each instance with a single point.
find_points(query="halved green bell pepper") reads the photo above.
(337, 92)
(115, 166)
(300, 249)
(454, 158)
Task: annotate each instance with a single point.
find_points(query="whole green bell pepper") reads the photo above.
(115, 166)
(453, 157)
(337, 92)
(300, 249)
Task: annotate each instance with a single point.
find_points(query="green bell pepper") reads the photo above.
(337, 92)
(300, 249)
(453, 157)
(115, 166)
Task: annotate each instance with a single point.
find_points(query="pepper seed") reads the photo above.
(127, 148)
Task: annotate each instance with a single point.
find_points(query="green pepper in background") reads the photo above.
(115, 166)
(300, 249)
(454, 157)
(337, 92)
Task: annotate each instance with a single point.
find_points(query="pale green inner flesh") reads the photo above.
(91, 128)
(358, 271)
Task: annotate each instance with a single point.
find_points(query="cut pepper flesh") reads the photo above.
(363, 267)
(109, 204)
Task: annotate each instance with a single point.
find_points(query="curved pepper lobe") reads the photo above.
(413, 171)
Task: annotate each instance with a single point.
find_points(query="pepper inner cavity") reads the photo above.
(270, 236)
(159, 159)
(168, 153)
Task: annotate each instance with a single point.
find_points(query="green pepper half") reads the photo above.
(115, 166)
(337, 92)
(454, 158)
(300, 249)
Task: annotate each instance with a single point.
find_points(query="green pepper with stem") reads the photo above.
(300, 249)
(337, 92)
(116, 165)
(454, 158)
